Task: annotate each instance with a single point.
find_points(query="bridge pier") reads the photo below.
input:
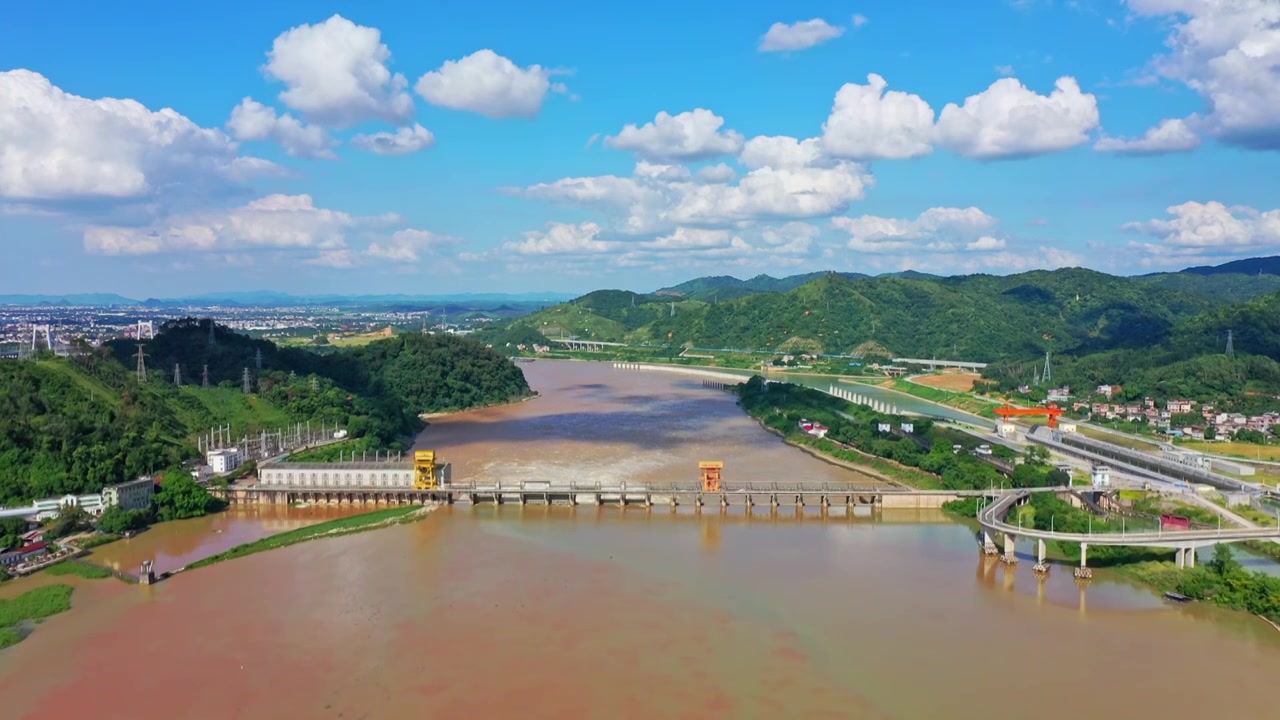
(1084, 572)
(1186, 557)
(988, 544)
(1041, 565)
(1010, 555)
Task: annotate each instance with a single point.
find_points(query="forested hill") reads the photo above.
(77, 424)
(977, 317)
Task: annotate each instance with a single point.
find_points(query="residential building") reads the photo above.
(1104, 391)
(1179, 406)
(224, 461)
(132, 495)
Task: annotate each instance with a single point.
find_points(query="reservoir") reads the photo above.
(586, 612)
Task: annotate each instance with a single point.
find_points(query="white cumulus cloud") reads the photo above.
(487, 83)
(57, 146)
(562, 239)
(867, 123)
(936, 229)
(799, 35)
(1229, 52)
(251, 120)
(1170, 136)
(780, 151)
(791, 238)
(693, 135)
(403, 141)
(1007, 120)
(336, 74)
(656, 197)
(408, 245)
(1210, 229)
(272, 222)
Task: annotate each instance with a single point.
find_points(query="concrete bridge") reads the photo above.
(747, 494)
(1185, 542)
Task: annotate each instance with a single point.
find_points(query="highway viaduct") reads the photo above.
(992, 520)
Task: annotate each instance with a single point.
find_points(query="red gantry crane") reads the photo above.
(1007, 411)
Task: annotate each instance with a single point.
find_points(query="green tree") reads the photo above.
(11, 530)
(179, 497)
(71, 519)
(116, 520)
(1037, 455)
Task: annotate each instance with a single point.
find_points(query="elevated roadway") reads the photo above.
(992, 520)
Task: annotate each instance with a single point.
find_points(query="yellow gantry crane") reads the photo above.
(424, 470)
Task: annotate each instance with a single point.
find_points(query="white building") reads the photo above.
(337, 475)
(1189, 458)
(1101, 475)
(224, 461)
(132, 495)
(50, 507)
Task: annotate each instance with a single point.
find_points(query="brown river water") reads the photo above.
(541, 612)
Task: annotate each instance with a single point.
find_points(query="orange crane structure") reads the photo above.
(1007, 411)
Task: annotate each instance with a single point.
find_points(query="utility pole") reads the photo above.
(177, 375)
(142, 364)
(246, 381)
(204, 382)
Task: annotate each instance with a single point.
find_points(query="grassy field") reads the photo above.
(31, 606)
(239, 410)
(959, 401)
(70, 567)
(1244, 451)
(340, 526)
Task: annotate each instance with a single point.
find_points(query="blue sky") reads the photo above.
(160, 149)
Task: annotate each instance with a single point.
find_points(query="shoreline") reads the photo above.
(337, 527)
(818, 454)
(428, 417)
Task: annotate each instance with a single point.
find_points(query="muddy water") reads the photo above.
(536, 612)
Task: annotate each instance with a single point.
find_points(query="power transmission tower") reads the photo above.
(204, 381)
(257, 358)
(177, 374)
(292, 376)
(1046, 374)
(247, 382)
(1231, 348)
(142, 364)
(315, 383)
(213, 339)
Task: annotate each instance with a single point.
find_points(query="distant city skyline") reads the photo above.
(498, 147)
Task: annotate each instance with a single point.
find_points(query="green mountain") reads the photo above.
(75, 424)
(725, 287)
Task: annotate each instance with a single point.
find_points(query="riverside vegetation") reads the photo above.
(31, 607)
(76, 424)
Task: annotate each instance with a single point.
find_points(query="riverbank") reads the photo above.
(436, 415)
(331, 528)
